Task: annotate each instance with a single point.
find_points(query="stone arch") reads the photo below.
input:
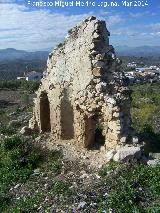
(45, 112)
(94, 137)
(67, 117)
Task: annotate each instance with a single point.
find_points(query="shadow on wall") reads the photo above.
(67, 117)
(45, 113)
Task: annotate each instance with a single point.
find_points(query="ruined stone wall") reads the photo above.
(84, 87)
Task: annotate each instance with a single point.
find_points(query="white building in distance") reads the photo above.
(31, 76)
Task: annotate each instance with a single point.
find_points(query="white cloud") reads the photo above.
(33, 29)
(136, 15)
(22, 28)
(114, 19)
(37, 29)
(141, 14)
(155, 26)
(7, 1)
(150, 30)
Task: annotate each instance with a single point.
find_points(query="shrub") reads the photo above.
(25, 99)
(60, 188)
(11, 142)
(111, 166)
(132, 188)
(5, 130)
(30, 86)
(145, 105)
(18, 157)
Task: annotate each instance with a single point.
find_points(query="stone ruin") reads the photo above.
(83, 95)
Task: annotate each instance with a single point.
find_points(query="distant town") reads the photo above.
(134, 73)
(139, 72)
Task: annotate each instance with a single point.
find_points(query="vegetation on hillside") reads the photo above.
(122, 188)
(30, 86)
(18, 159)
(10, 70)
(146, 113)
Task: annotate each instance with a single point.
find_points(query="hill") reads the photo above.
(11, 54)
(9, 70)
(141, 51)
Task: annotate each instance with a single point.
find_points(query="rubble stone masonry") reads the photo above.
(84, 89)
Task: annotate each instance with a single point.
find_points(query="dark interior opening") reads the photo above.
(45, 113)
(67, 117)
(99, 137)
(93, 133)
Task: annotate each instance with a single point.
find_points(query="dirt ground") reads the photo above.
(9, 98)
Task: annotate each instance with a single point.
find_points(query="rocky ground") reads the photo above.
(66, 178)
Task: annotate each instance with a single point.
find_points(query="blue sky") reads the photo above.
(23, 26)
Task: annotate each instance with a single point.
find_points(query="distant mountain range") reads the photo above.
(11, 54)
(141, 51)
(14, 62)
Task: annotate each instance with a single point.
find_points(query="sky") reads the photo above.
(26, 26)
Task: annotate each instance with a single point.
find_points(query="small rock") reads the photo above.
(39, 208)
(71, 187)
(127, 153)
(84, 176)
(12, 113)
(97, 176)
(111, 101)
(10, 189)
(135, 139)
(83, 172)
(17, 186)
(100, 166)
(123, 139)
(105, 194)
(36, 172)
(110, 154)
(37, 139)
(46, 185)
(155, 155)
(26, 131)
(102, 149)
(46, 199)
(153, 163)
(85, 157)
(93, 204)
(81, 205)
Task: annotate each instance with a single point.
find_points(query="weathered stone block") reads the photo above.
(25, 131)
(98, 71)
(127, 153)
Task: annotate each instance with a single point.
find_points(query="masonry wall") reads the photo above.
(84, 87)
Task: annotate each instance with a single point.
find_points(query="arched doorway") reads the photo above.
(94, 138)
(67, 117)
(45, 112)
